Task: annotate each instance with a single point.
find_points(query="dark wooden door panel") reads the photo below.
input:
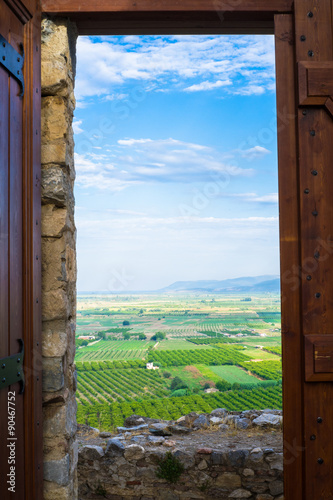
(19, 246)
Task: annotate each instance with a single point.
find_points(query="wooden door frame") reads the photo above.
(285, 18)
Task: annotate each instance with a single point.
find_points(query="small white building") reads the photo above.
(150, 366)
(87, 337)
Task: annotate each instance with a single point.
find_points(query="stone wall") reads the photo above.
(58, 260)
(225, 455)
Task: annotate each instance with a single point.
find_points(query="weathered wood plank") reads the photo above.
(87, 6)
(289, 256)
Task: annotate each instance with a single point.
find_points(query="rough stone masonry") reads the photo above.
(59, 260)
(225, 455)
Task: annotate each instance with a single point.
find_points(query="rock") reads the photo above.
(136, 428)
(264, 496)
(223, 427)
(135, 420)
(237, 458)
(181, 420)
(202, 465)
(105, 434)
(231, 419)
(216, 420)
(156, 440)
(248, 472)
(256, 455)
(273, 412)
(240, 493)
(229, 481)
(268, 420)
(187, 459)
(167, 495)
(204, 451)
(190, 418)
(275, 461)
(53, 374)
(242, 423)
(138, 439)
(201, 422)
(169, 443)
(217, 457)
(57, 471)
(114, 447)
(134, 452)
(276, 488)
(179, 429)
(250, 414)
(160, 429)
(90, 452)
(219, 412)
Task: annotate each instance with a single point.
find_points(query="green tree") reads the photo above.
(126, 336)
(142, 336)
(126, 322)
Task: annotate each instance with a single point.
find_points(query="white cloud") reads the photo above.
(76, 127)
(253, 197)
(235, 64)
(208, 85)
(255, 152)
(133, 161)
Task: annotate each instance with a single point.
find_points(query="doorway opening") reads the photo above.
(178, 245)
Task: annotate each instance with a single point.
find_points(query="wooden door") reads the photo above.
(305, 132)
(20, 269)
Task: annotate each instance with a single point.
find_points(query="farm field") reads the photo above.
(196, 342)
(234, 374)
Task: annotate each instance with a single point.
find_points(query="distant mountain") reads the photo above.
(241, 285)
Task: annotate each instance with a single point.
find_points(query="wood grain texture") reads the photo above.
(289, 257)
(86, 6)
(174, 17)
(313, 26)
(19, 277)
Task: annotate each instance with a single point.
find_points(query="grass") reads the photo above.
(171, 345)
(260, 354)
(190, 374)
(234, 374)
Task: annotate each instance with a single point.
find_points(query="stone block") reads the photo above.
(55, 152)
(114, 447)
(229, 481)
(57, 471)
(55, 119)
(57, 186)
(240, 493)
(53, 374)
(134, 452)
(55, 305)
(55, 335)
(60, 420)
(276, 488)
(91, 452)
(275, 461)
(55, 221)
(237, 458)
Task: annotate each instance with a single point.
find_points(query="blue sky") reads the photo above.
(176, 160)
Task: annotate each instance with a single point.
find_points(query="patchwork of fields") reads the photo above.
(198, 343)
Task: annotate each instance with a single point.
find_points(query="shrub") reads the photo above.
(223, 385)
(178, 383)
(170, 468)
(166, 374)
(126, 322)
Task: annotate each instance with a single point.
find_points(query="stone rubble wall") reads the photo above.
(58, 260)
(125, 468)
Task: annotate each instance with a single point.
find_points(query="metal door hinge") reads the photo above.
(11, 369)
(12, 61)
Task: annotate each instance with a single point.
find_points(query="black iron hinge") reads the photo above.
(11, 369)
(12, 61)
